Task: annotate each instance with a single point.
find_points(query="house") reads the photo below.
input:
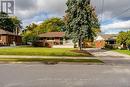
(54, 40)
(102, 40)
(7, 38)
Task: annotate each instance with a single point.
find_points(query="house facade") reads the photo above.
(54, 40)
(107, 39)
(8, 38)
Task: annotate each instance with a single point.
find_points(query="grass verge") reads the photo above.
(123, 51)
(50, 60)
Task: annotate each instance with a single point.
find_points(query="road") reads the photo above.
(64, 75)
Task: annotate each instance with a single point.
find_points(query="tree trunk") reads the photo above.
(80, 43)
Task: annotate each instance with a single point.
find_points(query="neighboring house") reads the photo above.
(102, 40)
(54, 40)
(8, 38)
(88, 44)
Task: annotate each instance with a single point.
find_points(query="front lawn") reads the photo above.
(123, 51)
(31, 51)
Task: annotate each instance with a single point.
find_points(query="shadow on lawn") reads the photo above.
(96, 50)
(83, 52)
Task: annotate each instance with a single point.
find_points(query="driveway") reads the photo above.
(109, 57)
(60, 75)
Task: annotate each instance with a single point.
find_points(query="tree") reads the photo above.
(17, 24)
(51, 25)
(122, 38)
(6, 22)
(11, 24)
(29, 37)
(128, 40)
(31, 27)
(81, 21)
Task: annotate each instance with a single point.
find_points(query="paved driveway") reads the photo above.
(110, 57)
(60, 75)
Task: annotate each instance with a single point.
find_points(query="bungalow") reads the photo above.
(54, 40)
(102, 40)
(7, 38)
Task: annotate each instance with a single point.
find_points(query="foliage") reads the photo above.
(128, 42)
(6, 22)
(81, 21)
(17, 24)
(31, 27)
(9, 23)
(29, 37)
(51, 25)
(124, 38)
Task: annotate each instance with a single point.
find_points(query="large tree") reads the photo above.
(51, 25)
(8, 23)
(81, 21)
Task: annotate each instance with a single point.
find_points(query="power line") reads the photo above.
(121, 13)
(102, 10)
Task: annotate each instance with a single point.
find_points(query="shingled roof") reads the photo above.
(52, 34)
(3, 32)
(109, 36)
(106, 37)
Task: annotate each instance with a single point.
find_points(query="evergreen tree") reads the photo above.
(81, 21)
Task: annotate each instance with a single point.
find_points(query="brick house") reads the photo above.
(55, 40)
(102, 40)
(7, 38)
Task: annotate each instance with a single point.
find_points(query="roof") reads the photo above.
(3, 32)
(52, 34)
(99, 38)
(106, 37)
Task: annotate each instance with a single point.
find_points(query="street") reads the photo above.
(64, 75)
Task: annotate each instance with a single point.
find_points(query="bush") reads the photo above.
(128, 44)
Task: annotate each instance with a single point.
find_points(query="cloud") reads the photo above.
(116, 27)
(26, 9)
(113, 7)
(38, 10)
(29, 8)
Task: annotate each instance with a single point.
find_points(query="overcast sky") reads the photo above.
(114, 19)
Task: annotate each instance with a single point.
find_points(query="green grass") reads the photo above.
(45, 60)
(31, 51)
(123, 51)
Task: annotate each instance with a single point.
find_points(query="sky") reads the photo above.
(112, 14)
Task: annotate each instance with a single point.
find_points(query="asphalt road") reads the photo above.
(64, 75)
